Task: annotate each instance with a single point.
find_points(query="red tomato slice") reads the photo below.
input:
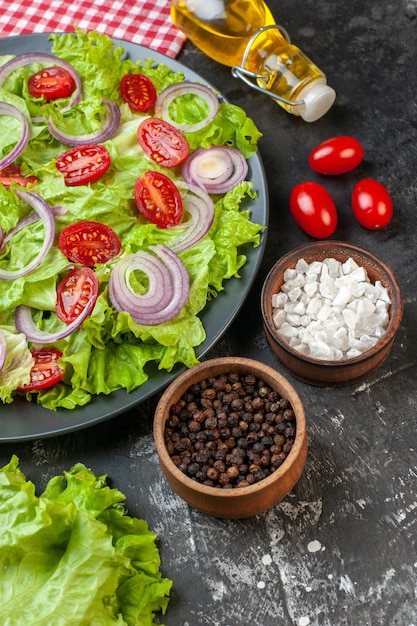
(83, 164)
(337, 155)
(75, 291)
(89, 243)
(12, 174)
(313, 209)
(372, 204)
(45, 371)
(158, 199)
(138, 91)
(162, 142)
(52, 83)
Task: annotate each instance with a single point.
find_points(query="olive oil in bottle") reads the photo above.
(243, 34)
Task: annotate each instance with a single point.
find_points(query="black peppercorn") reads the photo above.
(230, 431)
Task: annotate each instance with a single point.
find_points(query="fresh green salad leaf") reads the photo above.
(72, 557)
(110, 351)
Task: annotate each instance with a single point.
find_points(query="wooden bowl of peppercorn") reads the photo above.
(231, 437)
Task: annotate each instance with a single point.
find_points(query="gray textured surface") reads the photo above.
(341, 548)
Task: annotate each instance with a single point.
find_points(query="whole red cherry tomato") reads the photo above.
(337, 155)
(372, 204)
(313, 209)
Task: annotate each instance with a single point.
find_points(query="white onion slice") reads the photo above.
(25, 325)
(218, 169)
(169, 94)
(200, 207)
(2, 350)
(99, 136)
(47, 59)
(168, 286)
(45, 213)
(10, 109)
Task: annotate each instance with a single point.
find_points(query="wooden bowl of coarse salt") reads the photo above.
(331, 311)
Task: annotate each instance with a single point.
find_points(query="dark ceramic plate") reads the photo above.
(22, 420)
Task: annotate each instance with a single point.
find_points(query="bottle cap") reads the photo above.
(318, 97)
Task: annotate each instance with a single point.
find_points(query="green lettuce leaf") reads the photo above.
(72, 557)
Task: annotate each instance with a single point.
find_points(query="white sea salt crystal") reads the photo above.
(359, 274)
(311, 288)
(289, 307)
(342, 297)
(321, 350)
(287, 331)
(293, 319)
(289, 274)
(294, 294)
(279, 317)
(331, 310)
(324, 312)
(315, 267)
(278, 300)
(349, 265)
(327, 288)
(302, 266)
(333, 266)
(353, 352)
(365, 307)
(382, 292)
(313, 307)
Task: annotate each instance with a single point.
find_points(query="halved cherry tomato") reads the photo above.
(372, 204)
(162, 142)
(313, 209)
(138, 91)
(52, 83)
(337, 155)
(75, 291)
(83, 164)
(45, 371)
(89, 243)
(158, 199)
(12, 174)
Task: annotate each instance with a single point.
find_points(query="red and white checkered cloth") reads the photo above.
(145, 22)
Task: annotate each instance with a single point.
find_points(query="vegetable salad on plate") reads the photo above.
(123, 208)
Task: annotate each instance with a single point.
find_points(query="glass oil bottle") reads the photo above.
(243, 35)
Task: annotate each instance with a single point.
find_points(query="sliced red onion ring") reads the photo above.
(169, 94)
(25, 221)
(218, 169)
(168, 286)
(2, 350)
(46, 59)
(45, 213)
(99, 136)
(9, 109)
(25, 325)
(200, 207)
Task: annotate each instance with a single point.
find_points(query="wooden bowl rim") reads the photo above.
(224, 364)
(289, 260)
